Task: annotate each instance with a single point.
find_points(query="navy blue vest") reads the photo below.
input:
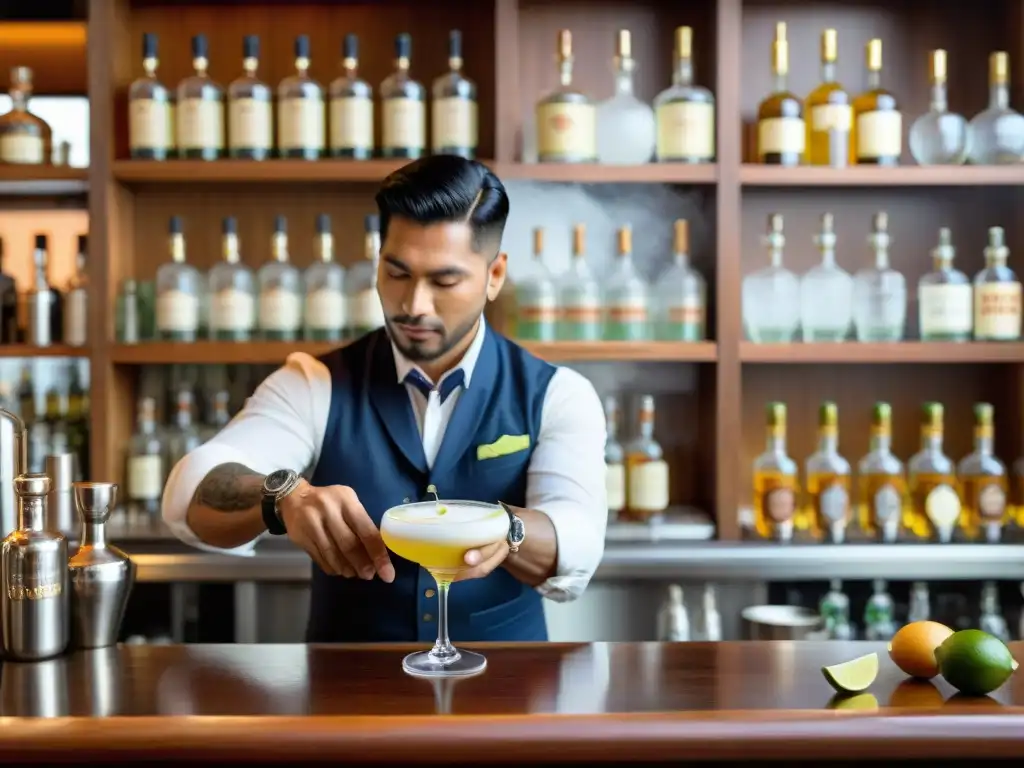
(372, 444)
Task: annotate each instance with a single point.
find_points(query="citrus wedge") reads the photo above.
(853, 676)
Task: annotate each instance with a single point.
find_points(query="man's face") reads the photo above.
(433, 286)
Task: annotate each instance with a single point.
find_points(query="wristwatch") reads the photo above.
(276, 486)
(516, 529)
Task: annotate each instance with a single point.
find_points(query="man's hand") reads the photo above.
(334, 528)
(484, 560)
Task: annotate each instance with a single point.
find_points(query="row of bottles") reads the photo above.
(673, 622)
(827, 303)
(637, 474)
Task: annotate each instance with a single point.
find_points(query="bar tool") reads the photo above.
(60, 504)
(13, 462)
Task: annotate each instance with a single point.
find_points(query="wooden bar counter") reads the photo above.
(556, 703)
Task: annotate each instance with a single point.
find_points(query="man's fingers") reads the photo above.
(475, 557)
(346, 542)
(322, 540)
(493, 556)
(369, 535)
(313, 551)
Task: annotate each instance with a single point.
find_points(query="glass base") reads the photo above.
(422, 664)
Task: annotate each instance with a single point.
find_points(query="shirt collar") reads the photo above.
(467, 364)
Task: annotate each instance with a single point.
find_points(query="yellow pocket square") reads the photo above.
(503, 446)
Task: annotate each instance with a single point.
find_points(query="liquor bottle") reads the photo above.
(625, 297)
(679, 294)
(25, 139)
(673, 621)
(44, 313)
(775, 481)
(781, 135)
(579, 296)
(685, 112)
(935, 502)
(250, 108)
(647, 475)
(920, 608)
(991, 619)
(828, 111)
(365, 312)
(882, 487)
(300, 110)
(145, 465)
(709, 628)
(325, 288)
(625, 125)
(128, 326)
(232, 291)
(178, 287)
(771, 296)
(997, 294)
(828, 481)
(200, 110)
(944, 296)
(76, 314)
(453, 126)
(150, 109)
(220, 416)
(614, 461)
(878, 124)
(566, 118)
(9, 331)
(280, 289)
(939, 137)
(826, 292)
(995, 136)
(878, 613)
(183, 437)
(350, 107)
(78, 420)
(834, 609)
(537, 298)
(403, 112)
(879, 291)
(983, 482)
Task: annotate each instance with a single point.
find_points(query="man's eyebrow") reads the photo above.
(443, 272)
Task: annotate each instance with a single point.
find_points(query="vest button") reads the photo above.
(428, 617)
(429, 593)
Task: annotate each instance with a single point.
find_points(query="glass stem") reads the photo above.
(443, 651)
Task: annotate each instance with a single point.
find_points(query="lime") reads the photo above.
(856, 701)
(853, 676)
(975, 662)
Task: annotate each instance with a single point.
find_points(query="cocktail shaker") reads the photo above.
(13, 462)
(101, 575)
(33, 579)
(60, 502)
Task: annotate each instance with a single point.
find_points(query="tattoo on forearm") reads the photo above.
(230, 488)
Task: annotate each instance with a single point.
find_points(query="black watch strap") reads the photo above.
(270, 517)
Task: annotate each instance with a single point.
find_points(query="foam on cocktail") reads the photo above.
(437, 535)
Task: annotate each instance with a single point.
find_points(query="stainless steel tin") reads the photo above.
(60, 501)
(13, 462)
(780, 622)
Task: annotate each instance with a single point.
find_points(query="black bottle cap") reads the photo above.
(229, 226)
(302, 47)
(323, 224)
(280, 225)
(174, 225)
(403, 46)
(350, 47)
(149, 46)
(455, 44)
(372, 222)
(251, 47)
(83, 243)
(41, 242)
(200, 48)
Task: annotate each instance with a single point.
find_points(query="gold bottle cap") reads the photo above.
(931, 415)
(984, 414)
(829, 46)
(828, 414)
(681, 239)
(538, 241)
(776, 414)
(999, 67)
(21, 76)
(623, 44)
(780, 50)
(938, 66)
(564, 44)
(625, 238)
(874, 55)
(684, 42)
(579, 235)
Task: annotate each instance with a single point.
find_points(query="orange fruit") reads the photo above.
(913, 648)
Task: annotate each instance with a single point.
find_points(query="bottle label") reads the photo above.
(648, 486)
(538, 312)
(200, 124)
(300, 123)
(686, 131)
(832, 117)
(280, 310)
(879, 134)
(145, 477)
(834, 503)
(404, 124)
(149, 124)
(997, 311)
(942, 506)
(781, 135)
(945, 309)
(177, 311)
(44, 587)
(352, 123)
(780, 504)
(250, 124)
(232, 310)
(887, 506)
(76, 318)
(325, 310)
(615, 487)
(453, 123)
(566, 129)
(21, 148)
(991, 502)
(367, 311)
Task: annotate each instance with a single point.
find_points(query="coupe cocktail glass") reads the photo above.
(436, 535)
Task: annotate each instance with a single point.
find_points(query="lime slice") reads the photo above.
(856, 701)
(853, 676)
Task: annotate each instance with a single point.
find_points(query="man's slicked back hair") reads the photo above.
(447, 188)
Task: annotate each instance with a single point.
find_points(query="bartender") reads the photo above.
(435, 397)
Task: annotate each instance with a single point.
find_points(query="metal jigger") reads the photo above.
(102, 575)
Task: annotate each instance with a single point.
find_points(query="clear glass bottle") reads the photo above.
(997, 294)
(939, 137)
(828, 111)
(250, 108)
(826, 292)
(879, 291)
(935, 503)
(76, 301)
(178, 291)
(403, 108)
(834, 609)
(537, 297)
(881, 482)
(453, 128)
(566, 118)
(991, 619)
(365, 312)
(232, 291)
(995, 136)
(25, 138)
(219, 417)
(183, 437)
(680, 294)
(280, 290)
(351, 108)
(325, 289)
(647, 473)
(145, 466)
(150, 109)
(200, 110)
(614, 461)
(579, 295)
(879, 623)
(877, 121)
(781, 134)
(300, 110)
(945, 297)
(983, 482)
(685, 112)
(771, 296)
(625, 125)
(775, 481)
(828, 481)
(920, 608)
(626, 295)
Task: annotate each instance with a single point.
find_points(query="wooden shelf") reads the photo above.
(652, 173)
(27, 350)
(43, 180)
(901, 352)
(869, 176)
(624, 351)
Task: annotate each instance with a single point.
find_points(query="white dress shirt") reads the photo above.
(283, 424)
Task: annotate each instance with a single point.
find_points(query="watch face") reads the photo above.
(517, 531)
(277, 480)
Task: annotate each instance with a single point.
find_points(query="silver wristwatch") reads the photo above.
(516, 529)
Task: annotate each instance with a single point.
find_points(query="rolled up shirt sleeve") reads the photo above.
(566, 481)
(281, 427)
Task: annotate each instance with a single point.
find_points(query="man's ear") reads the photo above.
(496, 272)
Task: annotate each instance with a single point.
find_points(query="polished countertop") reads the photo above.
(550, 701)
